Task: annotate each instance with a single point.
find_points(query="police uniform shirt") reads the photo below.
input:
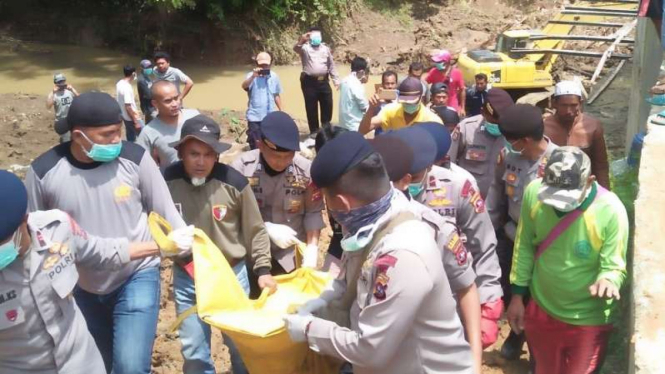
(513, 173)
(225, 209)
(41, 328)
(456, 260)
(288, 198)
(404, 318)
(476, 151)
(109, 200)
(453, 194)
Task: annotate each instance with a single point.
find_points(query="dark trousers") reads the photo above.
(130, 131)
(504, 250)
(253, 133)
(316, 92)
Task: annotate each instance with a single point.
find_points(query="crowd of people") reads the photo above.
(449, 205)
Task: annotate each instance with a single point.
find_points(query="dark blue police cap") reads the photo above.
(338, 156)
(441, 137)
(14, 203)
(422, 145)
(281, 130)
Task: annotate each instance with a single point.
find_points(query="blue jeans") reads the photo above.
(124, 322)
(194, 333)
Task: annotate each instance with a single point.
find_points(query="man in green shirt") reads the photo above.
(570, 253)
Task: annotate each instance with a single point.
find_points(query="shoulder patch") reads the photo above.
(382, 264)
(47, 161)
(132, 152)
(475, 199)
(456, 246)
(229, 175)
(174, 171)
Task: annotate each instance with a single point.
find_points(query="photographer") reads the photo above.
(263, 88)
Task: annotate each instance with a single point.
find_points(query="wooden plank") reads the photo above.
(619, 35)
(596, 93)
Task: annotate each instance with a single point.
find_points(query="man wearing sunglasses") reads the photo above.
(290, 204)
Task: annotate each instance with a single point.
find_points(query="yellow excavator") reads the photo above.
(522, 60)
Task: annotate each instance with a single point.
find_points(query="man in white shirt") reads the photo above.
(124, 94)
(353, 103)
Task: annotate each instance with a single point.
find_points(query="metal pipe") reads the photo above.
(590, 13)
(581, 23)
(580, 37)
(568, 52)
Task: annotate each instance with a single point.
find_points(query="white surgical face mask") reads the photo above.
(197, 182)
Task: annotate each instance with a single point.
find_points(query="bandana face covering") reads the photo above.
(360, 223)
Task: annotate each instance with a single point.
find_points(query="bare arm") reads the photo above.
(71, 88)
(278, 102)
(469, 303)
(188, 86)
(247, 82)
(139, 250)
(313, 237)
(134, 115)
(49, 100)
(370, 121)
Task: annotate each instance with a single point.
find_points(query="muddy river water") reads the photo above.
(29, 68)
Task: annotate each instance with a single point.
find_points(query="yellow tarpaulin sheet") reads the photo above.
(256, 326)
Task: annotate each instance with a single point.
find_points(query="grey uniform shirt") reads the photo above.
(42, 329)
(157, 136)
(61, 102)
(513, 173)
(288, 198)
(404, 318)
(317, 61)
(476, 151)
(453, 194)
(173, 75)
(109, 200)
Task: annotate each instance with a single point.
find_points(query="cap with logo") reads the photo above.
(263, 58)
(93, 109)
(14, 203)
(568, 88)
(410, 90)
(397, 155)
(145, 64)
(280, 132)
(59, 78)
(496, 101)
(565, 178)
(204, 129)
(422, 145)
(339, 156)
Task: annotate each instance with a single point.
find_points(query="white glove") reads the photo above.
(282, 235)
(296, 326)
(310, 259)
(312, 306)
(183, 239)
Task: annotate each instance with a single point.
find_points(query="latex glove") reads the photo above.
(312, 306)
(310, 258)
(183, 239)
(282, 235)
(296, 326)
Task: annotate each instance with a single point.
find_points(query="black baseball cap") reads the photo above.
(281, 130)
(439, 87)
(204, 129)
(93, 109)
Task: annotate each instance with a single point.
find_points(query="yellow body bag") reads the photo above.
(256, 326)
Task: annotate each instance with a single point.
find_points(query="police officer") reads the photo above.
(452, 192)
(477, 140)
(402, 317)
(527, 152)
(289, 203)
(416, 146)
(41, 328)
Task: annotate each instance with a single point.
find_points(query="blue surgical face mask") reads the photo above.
(359, 240)
(511, 149)
(492, 129)
(440, 66)
(102, 152)
(410, 108)
(315, 39)
(9, 250)
(147, 71)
